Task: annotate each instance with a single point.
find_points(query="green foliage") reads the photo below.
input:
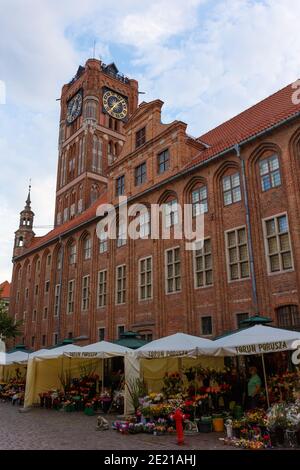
(137, 389)
(8, 327)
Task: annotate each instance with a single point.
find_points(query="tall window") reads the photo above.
(199, 201)
(34, 315)
(85, 292)
(288, 316)
(171, 213)
(45, 316)
(278, 244)
(203, 264)
(173, 270)
(121, 284)
(145, 270)
(87, 248)
(59, 259)
(43, 340)
(55, 339)
(32, 341)
(122, 234)
(237, 251)
(71, 296)
(140, 137)
(101, 334)
(206, 326)
(269, 173)
(103, 241)
(144, 222)
(240, 317)
(102, 288)
(120, 185)
(97, 154)
(140, 174)
(72, 253)
(163, 161)
(231, 189)
(56, 299)
(47, 286)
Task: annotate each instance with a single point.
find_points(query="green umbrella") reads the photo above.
(130, 339)
(256, 320)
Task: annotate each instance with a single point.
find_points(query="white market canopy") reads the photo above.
(102, 349)
(55, 352)
(258, 339)
(16, 357)
(177, 345)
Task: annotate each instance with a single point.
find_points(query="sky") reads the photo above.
(206, 59)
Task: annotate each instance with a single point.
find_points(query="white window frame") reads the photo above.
(171, 213)
(268, 263)
(228, 264)
(71, 296)
(72, 253)
(103, 242)
(199, 206)
(85, 293)
(174, 277)
(54, 342)
(104, 288)
(123, 279)
(87, 248)
(56, 299)
(231, 188)
(205, 285)
(145, 259)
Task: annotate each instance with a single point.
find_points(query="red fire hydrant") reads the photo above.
(178, 417)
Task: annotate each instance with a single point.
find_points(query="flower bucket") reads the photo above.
(89, 412)
(218, 424)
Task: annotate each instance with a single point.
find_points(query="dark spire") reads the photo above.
(28, 200)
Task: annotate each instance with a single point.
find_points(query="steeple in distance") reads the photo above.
(25, 232)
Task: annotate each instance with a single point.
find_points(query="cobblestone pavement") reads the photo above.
(49, 429)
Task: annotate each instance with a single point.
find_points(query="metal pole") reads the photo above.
(249, 234)
(265, 379)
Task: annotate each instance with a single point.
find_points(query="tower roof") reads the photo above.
(28, 200)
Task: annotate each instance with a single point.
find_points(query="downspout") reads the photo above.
(60, 288)
(249, 233)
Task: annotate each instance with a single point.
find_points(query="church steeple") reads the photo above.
(25, 232)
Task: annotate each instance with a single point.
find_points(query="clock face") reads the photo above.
(115, 105)
(74, 108)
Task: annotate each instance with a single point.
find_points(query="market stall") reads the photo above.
(274, 417)
(73, 377)
(176, 374)
(13, 376)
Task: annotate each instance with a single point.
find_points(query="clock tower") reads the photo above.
(95, 104)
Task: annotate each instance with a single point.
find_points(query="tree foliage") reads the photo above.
(8, 327)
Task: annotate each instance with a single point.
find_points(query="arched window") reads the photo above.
(72, 253)
(110, 152)
(171, 216)
(288, 316)
(91, 109)
(144, 223)
(94, 193)
(199, 200)
(97, 154)
(80, 199)
(59, 259)
(269, 172)
(20, 242)
(231, 185)
(87, 248)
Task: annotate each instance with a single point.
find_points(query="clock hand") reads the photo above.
(114, 105)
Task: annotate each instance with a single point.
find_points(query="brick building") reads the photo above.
(5, 292)
(243, 176)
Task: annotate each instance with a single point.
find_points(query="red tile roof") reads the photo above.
(86, 216)
(262, 116)
(5, 290)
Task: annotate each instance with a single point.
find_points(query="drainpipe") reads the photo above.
(249, 234)
(60, 287)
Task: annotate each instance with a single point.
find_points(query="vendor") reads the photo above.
(254, 386)
(237, 386)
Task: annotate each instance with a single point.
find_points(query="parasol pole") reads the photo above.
(265, 379)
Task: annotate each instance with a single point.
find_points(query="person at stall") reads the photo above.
(254, 386)
(237, 387)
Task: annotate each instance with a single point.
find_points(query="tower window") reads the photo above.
(140, 174)
(140, 137)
